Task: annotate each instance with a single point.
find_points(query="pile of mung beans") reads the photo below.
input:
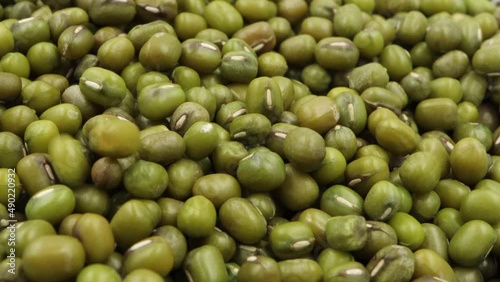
(249, 140)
